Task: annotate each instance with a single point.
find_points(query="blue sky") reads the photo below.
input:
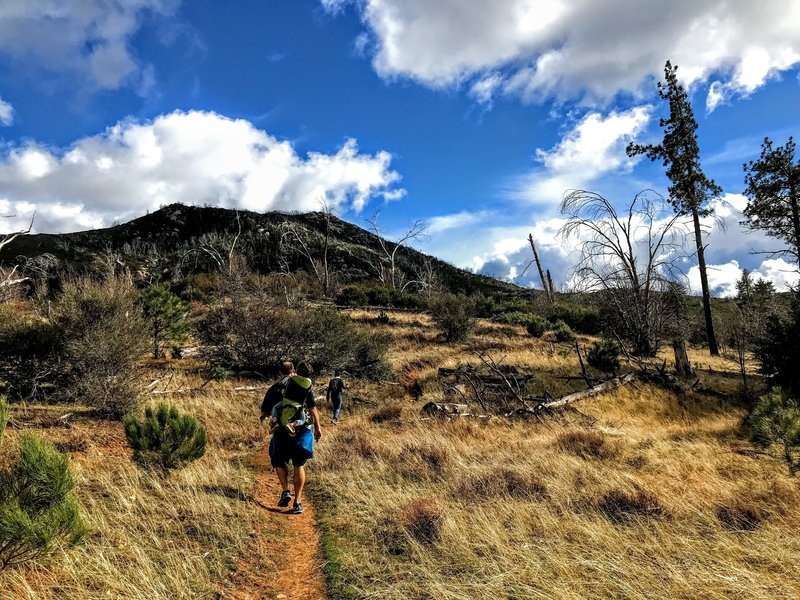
(475, 120)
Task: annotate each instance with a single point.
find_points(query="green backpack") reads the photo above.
(292, 405)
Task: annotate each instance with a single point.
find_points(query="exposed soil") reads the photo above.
(284, 560)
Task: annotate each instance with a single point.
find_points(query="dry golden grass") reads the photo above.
(660, 499)
(151, 537)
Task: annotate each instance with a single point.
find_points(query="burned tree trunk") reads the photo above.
(682, 365)
(545, 287)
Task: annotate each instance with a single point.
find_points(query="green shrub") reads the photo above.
(454, 315)
(514, 318)
(363, 295)
(775, 421)
(537, 326)
(563, 332)
(249, 334)
(165, 438)
(38, 508)
(604, 356)
(582, 319)
(778, 350)
(166, 315)
(103, 336)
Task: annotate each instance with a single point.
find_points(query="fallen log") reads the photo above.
(444, 409)
(593, 391)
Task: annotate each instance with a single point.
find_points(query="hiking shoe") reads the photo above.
(297, 509)
(286, 497)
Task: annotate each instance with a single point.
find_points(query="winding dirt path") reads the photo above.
(285, 561)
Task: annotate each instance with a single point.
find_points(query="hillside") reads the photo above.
(165, 238)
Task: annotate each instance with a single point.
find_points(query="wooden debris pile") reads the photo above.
(500, 390)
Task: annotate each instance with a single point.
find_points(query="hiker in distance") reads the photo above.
(295, 426)
(336, 388)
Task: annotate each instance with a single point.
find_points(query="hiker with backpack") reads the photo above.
(275, 392)
(295, 426)
(336, 388)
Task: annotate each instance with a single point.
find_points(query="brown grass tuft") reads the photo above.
(422, 519)
(586, 444)
(389, 413)
(505, 483)
(353, 445)
(620, 505)
(742, 515)
(423, 461)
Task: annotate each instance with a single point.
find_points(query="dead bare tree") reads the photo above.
(426, 278)
(9, 278)
(387, 266)
(215, 248)
(546, 283)
(630, 257)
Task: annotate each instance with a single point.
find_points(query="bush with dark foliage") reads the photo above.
(604, 356)
(537, 326)
(454, 315)
(778, 350)
(563, 332)
(29, 348)
(253, 335)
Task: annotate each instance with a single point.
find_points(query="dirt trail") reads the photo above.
(285, 560)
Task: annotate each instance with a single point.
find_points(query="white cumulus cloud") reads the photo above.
(722, 278)
(189, 157)
(570, 48)
(594, 147)
(88, 38)
(6, 113)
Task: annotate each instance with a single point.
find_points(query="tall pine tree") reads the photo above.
(690, 190)
(773, 194)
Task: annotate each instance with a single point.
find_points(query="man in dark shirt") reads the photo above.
(275, 392)
(336, 388)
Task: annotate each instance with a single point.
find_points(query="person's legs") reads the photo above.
(283, 477)
(299, 483)
(337, 407)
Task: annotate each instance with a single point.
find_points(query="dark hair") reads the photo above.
(286, 367)
(304, 369)
(337, 372)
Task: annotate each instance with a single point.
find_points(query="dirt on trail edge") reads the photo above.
(284, 560)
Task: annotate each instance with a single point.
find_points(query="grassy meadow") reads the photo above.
(636, 493)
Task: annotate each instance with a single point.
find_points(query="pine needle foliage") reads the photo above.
(38, 509)
(166, 314)
(165, 438)
(775, 421)
(604, 356)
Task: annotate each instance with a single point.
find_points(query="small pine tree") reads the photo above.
(165, 438)
(38, 508)
(604, 356)
(776, 421)
(166, 314)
